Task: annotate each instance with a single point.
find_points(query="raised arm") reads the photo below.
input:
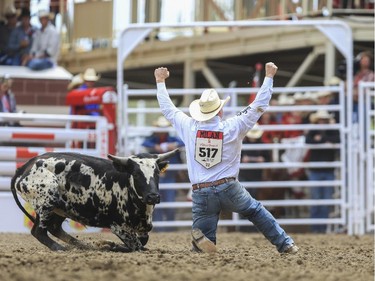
(178, 119)
(264, 94)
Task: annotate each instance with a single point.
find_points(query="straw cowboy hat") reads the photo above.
(298, 96)
(6, 79)
(285, 100)
(323, 94)
(11, 11)
(45, 14)
(310, 96)
(255, 132)
(162, 122)
(320, 114)
(76, 81)
(91, 75)
(334, 81)
(207, 106)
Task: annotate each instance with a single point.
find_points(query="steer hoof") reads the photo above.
(143, 239)
(122, 249)
(56, 247)
(105, 245)
(110, 246)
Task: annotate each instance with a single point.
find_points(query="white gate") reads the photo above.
(340, 35)
(365, 186)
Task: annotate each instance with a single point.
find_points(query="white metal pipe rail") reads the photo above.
(54, 132)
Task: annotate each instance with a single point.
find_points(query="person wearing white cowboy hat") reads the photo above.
(161, 142)
(321, 115)
(208, 106)
(90, 77)
(76, 82)
(11, 11)
(46, 45)
(162, 122)
(6, 29)
(253, 136)
(213, 152)
(322, 173)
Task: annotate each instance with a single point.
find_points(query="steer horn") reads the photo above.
(164, 156)
(118, 160)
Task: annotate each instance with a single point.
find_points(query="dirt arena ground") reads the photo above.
(241, 256)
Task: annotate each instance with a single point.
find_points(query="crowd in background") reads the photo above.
(23, 44)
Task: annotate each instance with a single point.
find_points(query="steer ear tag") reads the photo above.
(164, 169)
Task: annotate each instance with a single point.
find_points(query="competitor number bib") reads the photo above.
(208, 148)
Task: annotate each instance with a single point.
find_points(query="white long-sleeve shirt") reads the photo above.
(48, 41)
(213, 148)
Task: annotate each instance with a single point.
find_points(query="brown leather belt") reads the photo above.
(212, 183)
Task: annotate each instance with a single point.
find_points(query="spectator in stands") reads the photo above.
(321, 174)
(268, 118)
(21, 39)
(309, 98)
(253, 136)
(8, 102)
(46, 45)
(76, 82)
(290, 117)
(365, 74)
(335, 97)
(90, 77)
(6, 29)
(161, 142)
(8, 99)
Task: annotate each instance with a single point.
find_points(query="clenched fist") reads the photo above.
(271, 69)
(161, 74)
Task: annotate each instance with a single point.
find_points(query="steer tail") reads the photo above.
(14, 192)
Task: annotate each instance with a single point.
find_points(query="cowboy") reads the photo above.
(11, 14)
(213, 150)
(76, 82)
(157, 143)
(321, 174)
(21, 38)
(90, 77)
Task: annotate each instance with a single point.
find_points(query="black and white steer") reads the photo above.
(119, 194)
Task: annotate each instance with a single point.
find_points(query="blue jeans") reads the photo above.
(209, 202)
(40, 64)
(320, 192)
